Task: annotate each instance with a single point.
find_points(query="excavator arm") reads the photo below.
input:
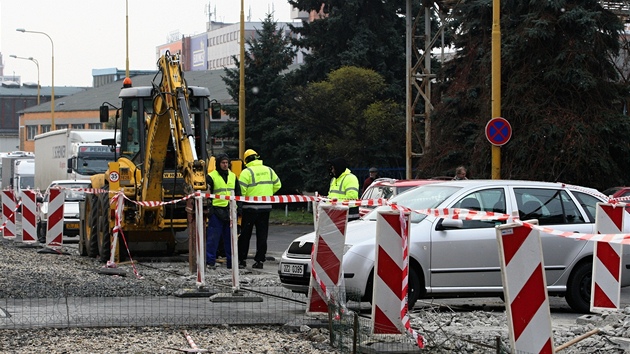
(161, 150)
(171, 119)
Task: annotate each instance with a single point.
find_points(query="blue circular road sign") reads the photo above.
(498, 131)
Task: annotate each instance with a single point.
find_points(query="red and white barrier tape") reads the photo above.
(404, 311)
(118, 200)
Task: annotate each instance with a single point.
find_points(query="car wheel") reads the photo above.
(82, 223)
(415, 288)
(369, 288)
(41, 233)
(578, 294)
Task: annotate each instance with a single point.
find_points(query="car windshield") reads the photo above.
(27, 182)
(72, 192)
(423, 197)
(91, 166)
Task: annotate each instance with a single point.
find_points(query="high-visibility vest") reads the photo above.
(258, 180)
(344, 187)
(220, 187)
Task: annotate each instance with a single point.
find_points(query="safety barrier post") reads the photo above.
(236, 295)
(326, 258)
(118, 214)
(196, 247)
(201, 244)
(607, 265)
(234, 243)
(525, 289)
(8, 213)
(29, 206)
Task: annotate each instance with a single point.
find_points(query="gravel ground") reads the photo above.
(447, 330)
(152, 340)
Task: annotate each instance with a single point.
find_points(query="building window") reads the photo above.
(94, 126)
(61, 126)
(45, 128)
(31, 131)
(78, 126)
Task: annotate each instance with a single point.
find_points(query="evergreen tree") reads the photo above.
(347, 115)
(268, 55)
(559, 91)
(363, 33)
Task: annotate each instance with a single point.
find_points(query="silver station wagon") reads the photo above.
(460, 258)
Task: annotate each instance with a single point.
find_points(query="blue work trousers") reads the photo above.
(218, 230)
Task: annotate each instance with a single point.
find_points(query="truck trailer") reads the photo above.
(70, 154)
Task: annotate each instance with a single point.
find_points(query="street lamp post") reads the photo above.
(52, 94)
(36, 63)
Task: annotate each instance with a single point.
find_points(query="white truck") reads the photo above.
(23, 175)
(70, 154)
(18, 172)
(13, 155)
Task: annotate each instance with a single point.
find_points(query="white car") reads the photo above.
(73, 195)
(460, 258)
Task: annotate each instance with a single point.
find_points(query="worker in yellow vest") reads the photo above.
(221, 181)
(257, 180)
(343, 184)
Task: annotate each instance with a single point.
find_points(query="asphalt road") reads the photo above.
(280, 236)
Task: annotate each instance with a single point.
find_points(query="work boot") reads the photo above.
(242, 265)
(258, 265)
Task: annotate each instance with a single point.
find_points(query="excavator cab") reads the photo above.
(164, 131)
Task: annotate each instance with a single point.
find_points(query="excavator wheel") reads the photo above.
(104, 241)
(82, 242)
(41, 233)
(91, 213)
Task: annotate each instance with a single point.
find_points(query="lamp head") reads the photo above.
(13, 56)
(20, 29)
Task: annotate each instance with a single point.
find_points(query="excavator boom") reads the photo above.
(164, 132)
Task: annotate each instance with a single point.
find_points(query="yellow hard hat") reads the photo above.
(248, 153)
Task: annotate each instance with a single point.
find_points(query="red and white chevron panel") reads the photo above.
(54, 232)
(8, 214)
(29, 207)
(326, 258)
(525, 289)
(606, 286)
(389, 299)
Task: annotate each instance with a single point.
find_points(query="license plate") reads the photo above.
(292, 269)
(72, 226)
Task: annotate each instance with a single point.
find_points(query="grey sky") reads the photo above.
(92, 34)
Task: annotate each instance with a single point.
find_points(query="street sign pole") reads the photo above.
(498, 133)
(496, 81)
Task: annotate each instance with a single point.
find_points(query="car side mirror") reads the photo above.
(104, 114)
(447, 224)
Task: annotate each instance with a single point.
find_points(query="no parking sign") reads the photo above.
(498, 131)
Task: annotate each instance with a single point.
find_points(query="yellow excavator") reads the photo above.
(162, 136)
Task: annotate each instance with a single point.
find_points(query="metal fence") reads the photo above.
(349, 329)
